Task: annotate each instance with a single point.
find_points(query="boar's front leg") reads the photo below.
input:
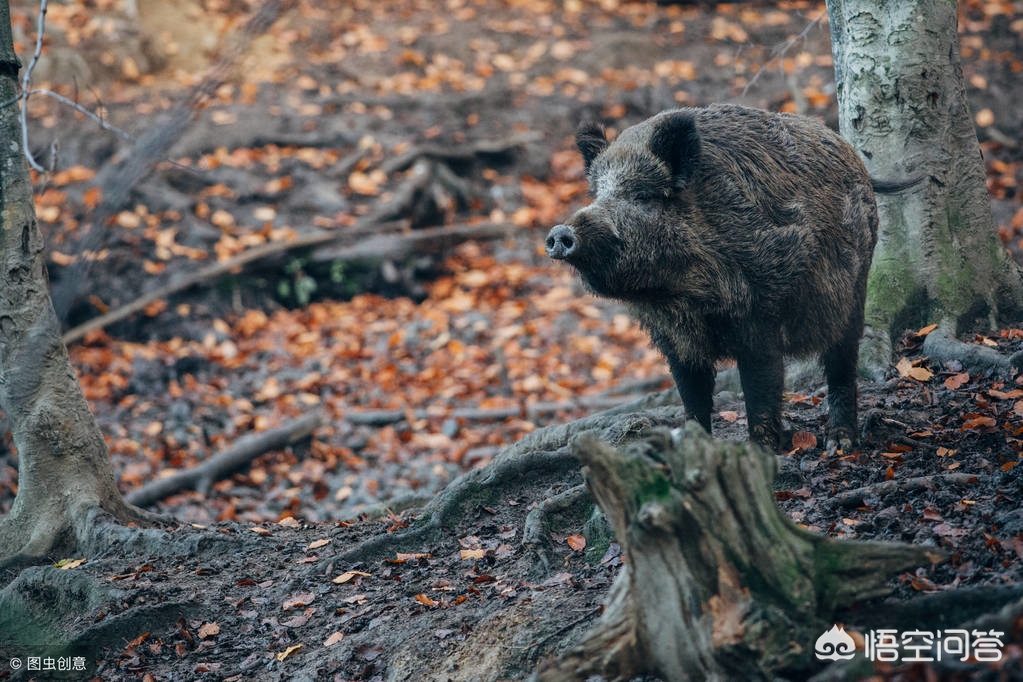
(696, 386)
(763, 379)
(840, 363)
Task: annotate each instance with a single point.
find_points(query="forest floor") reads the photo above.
(426, 362)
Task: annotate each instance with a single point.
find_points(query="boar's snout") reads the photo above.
(561, 242)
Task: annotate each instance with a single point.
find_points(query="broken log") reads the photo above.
(718, 583)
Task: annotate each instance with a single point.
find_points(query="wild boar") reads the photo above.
(731, 232)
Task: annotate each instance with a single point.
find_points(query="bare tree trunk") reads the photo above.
(64, 472)
(902, 104)
(718, 583)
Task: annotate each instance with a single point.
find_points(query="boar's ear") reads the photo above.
(591, 141)
(676, 142)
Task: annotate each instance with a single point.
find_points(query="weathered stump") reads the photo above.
(718, 583)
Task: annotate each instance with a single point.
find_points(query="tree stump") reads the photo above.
(718, 583)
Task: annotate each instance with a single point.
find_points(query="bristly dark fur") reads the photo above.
(733, 232)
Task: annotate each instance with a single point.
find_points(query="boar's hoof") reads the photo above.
(837, 443)
(561, 242)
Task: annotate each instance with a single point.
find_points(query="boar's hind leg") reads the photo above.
(840, 368)
(763, 378)
(696, 386)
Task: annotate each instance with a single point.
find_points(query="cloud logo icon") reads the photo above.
(835, 644)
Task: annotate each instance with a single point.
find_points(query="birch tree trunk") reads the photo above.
(902, 104)
(64, 475)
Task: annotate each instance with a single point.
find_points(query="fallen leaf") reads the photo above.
(348, 575)
(334, 638)
(576, 542)
(957, 381)
(977, 422)
(298, 601)
(903, 366)
(259, 530)
(472, 553)
(287, 652)
(924, 331)
(425, 600)
(921, 373)
(729, 415)
(209, 630)
(66, 564)
(316, 544)
(803, 440)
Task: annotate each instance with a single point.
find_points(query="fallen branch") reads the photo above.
(855, 498)
(376, 246)
(244, 450)
(530, 411)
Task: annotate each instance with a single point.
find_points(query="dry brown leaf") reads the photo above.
(287, 652)
(348, 575)
(903, 366)
(803, 440)
(957, 381)
(334, 638)
(921, 373)
(425, 600)
(208, 630)
(977, 422)
(729, 415)
(576, 542)
(298, 601)
(316, 544)
(472, 553)
(924, 331)
(259, 530)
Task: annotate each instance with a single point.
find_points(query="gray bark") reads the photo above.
(902, 104)
(710, 561)
(64, 467)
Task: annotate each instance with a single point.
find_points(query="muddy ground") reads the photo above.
(231, 599)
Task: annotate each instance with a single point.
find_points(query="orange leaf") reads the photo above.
(576, 542)
(924, 331)
(977, 422)
(956, 381)
(729, 415)
(425, 600)
(803, 440)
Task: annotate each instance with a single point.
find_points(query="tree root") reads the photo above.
(942, 347)
(536, 531)
(543, 455)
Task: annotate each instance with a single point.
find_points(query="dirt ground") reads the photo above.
(287, 553)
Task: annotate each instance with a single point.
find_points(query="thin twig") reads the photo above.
(780, 49)
(26, 80)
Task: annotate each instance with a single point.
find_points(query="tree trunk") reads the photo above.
(711, 562)
(64, 469)
(902, 104)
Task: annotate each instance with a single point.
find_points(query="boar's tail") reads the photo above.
(895, 186)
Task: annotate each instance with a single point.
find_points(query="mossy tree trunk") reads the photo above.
(902, 104)
(64, 474)
(718, 583)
